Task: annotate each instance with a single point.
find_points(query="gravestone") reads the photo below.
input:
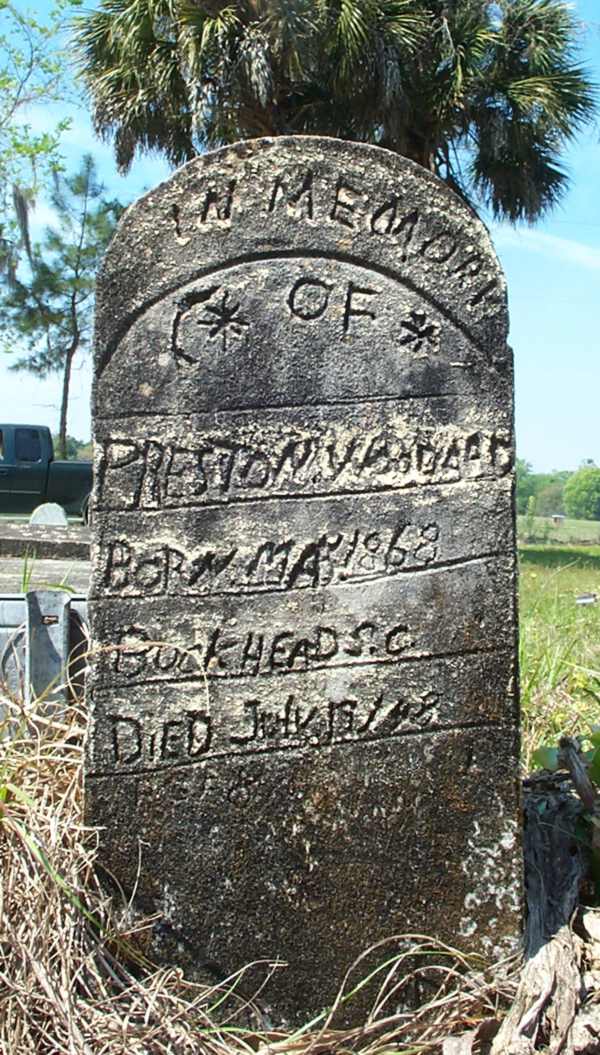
(49, 513)
(304, 735)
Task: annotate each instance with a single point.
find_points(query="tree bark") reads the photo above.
(549, 992)
(64, 402)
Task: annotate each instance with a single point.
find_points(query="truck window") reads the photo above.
(27, 445)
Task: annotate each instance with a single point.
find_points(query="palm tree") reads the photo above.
(485, 94)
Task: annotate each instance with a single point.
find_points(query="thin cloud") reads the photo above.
(550, 245)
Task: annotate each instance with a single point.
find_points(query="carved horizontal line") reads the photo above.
(254, 408)
(301, 497)
(363, 580)
(203, 676)
(259, 752)
(289, 254)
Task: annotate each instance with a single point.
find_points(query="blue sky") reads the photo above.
(553, 274)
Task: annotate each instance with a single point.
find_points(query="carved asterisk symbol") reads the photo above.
(226, 320)
(420, 330)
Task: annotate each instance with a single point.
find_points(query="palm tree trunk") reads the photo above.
(422, 152)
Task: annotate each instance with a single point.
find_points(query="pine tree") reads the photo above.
(47, 308)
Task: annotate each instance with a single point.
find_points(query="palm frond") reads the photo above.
(352, 29)
(254, 65)
(543, 30)
(515, 171)
(498, 80)
(563, 98)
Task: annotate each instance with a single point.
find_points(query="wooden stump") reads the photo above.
(557, 1004)
(556, 1008)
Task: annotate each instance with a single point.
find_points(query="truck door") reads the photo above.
(28, 478)
(4, 470)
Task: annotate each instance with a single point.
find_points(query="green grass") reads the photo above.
(560, 643)
(568, 531)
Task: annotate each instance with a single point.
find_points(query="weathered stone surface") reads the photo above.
(306, 730)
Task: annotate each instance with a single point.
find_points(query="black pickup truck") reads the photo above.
(29, 475)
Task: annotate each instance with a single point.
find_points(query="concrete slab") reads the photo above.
(18, 539)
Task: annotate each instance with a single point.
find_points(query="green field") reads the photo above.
(542, 529)
(560, 642)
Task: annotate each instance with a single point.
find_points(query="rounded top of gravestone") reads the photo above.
(49, 513)
(301, 196)
(299, 271)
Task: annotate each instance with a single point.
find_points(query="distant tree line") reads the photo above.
(573, 494)
(76, 450)
(546, 488)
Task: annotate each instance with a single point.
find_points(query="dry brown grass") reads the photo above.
(73, 975)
